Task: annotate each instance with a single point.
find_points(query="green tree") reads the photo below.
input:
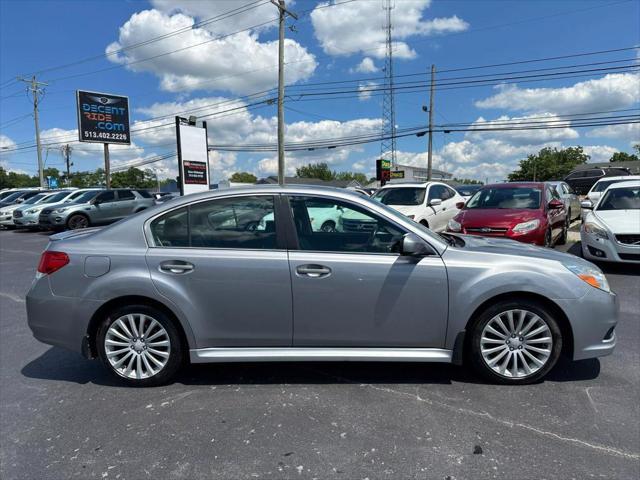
(361, 178)
(549, 164)
(623, 157)
(316, 170)
(243, 177)
(88, 179)
(466, 181)
(133, 178)
(636, 147)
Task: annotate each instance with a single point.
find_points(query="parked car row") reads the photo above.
(71, 209)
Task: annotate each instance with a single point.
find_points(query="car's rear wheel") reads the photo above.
(141, 345)
(77, 221)
(515, 342)
(562, 239)
(548, 238)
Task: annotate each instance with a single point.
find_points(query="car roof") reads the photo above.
(621, 177)
(516, 184)
(631, 183)
(412, 184)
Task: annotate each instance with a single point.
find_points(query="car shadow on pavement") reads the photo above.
(59, 365)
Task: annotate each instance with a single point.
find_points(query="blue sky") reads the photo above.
(336, 43)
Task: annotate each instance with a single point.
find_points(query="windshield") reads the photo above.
(604, 184)
(626, 198)
(506, 198)
(57, 197)
(400, 196)
(12, 197)
(35, 199)
(86, 196)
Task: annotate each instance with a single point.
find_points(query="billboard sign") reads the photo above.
(396, 174)
(103, 118)
(193, 156)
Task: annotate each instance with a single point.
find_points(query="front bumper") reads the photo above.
(593, 319)
(52, 220)
(6, 220)
(535, 237)
(56, 320)
(29, 220)
(601, 249)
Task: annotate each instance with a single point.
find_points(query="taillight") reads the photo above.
(52, 261)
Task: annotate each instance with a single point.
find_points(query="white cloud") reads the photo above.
(116, 152)
(6, 143)
(356, 26)
(216, 64)
(629, 132)
(365, 90)
(367, 65)
(610, 92)
(599, 153)
(523, 137)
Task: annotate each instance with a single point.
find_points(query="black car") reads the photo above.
(581, 181)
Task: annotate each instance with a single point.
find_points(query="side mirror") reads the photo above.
(414, 246)
(435, 202)
(460, 205)
(556, 204)
(587, 205)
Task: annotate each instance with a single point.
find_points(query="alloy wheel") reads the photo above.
(137, 346)
(516, 343)
(78, 221)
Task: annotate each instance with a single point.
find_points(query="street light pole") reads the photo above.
(282, 10)
(430, 146)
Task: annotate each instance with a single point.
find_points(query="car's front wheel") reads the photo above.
(515, 342)
(77, 221)
(140, 344)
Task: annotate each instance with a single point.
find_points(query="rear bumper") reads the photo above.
(593, 319)
(56, 320)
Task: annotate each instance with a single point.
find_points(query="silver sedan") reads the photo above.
(244, 275)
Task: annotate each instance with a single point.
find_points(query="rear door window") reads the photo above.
(125, 195)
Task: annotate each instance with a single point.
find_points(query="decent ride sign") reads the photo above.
(103, 118)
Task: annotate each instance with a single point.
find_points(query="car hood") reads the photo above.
(504, 246)
(54, 206)
(11, 208)
(619, 221)
(495, 217)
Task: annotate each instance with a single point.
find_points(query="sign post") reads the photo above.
(383, 171)
(103, 118)
(193, 156)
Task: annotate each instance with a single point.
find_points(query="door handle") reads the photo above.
(313, 271)
(176, 266)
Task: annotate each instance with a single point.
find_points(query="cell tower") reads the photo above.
(388, 144)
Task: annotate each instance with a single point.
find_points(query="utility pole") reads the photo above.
(283, 11)
(429, 153)
(107, 166)
(36, 91)
(66, 151)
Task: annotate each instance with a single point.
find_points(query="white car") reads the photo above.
(611, 229)
(601, 185)
(323, 218)
(432, 204)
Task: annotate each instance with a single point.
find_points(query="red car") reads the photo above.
(527, 212)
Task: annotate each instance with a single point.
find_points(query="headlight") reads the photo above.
(595, 230)
(60, 210)
(33, 210)
(454, 226)
(526, 227)
(591, 275)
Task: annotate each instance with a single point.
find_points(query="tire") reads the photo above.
(483, 339)
(77, 221)
(548, 239)
(562, 239)
(569, 218)
(329, 226)
(162, 351)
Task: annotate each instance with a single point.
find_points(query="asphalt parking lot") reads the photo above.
(64, 417)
